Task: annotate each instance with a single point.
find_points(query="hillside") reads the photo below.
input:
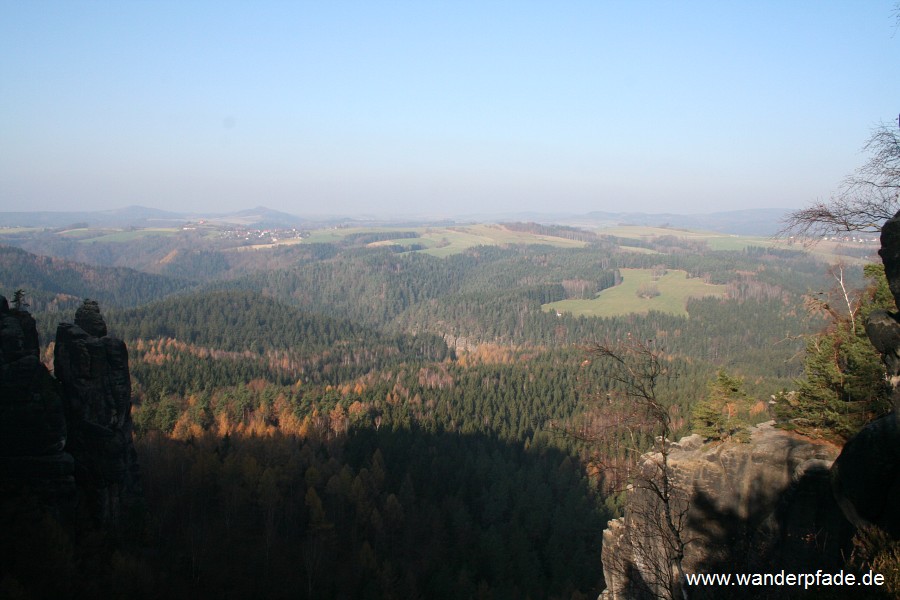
(347, 409)
(54, 282)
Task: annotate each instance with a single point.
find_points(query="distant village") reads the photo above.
(269, 235)
(853, 239)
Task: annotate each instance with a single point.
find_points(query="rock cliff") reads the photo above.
(866, 475)
(68, 438)
(748, 508)
(32, 418)
(778, 502)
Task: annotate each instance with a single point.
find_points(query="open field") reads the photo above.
(17, 230)
(675, 288)
(81, 233)
(457, 239)
(444, 241)
(715, 241)
(288, 242)
(827, 250)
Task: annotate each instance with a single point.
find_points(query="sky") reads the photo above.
(439, 108)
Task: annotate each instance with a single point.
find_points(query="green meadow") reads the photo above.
(674, 290)
(445, 241)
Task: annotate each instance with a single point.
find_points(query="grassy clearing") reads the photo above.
(83, 233)
(18, 230)
(674, 290)
(289, 242)
(453, 240)
(444, 241)
(638, 250)
(336, 234)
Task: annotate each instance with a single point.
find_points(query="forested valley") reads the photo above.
(356, 419)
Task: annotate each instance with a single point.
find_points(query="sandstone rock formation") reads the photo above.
(67, 439)
(93, 370)
(866, 476)
(32, 421)
(890, 254)
(883, 327)
(750, 507)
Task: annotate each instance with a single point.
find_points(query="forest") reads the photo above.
(360, 420)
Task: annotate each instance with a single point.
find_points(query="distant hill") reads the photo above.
(142, 216)
(756, 221)
(119, 217)
(759, 221)
(259, 217)
(45, 276)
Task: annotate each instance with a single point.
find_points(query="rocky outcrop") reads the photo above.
(93, 370)
(882, 326)
(748, 507)
(866, 476)
(32, 421)
(778, 502)
(67, 439)
(890, 254)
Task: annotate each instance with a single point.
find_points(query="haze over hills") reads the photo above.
(762, 221)
(142, 216)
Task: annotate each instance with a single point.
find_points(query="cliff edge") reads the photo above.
(748, 507)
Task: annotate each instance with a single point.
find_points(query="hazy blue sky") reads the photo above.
(439, 107)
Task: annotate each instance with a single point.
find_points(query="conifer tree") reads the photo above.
(844, 386)
(720, 416)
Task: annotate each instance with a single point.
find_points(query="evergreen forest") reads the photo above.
(362, 419)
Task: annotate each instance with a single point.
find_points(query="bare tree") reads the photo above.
(865, 200)
(634, 414)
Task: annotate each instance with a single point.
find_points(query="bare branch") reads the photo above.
(655, 516)
(865, 200)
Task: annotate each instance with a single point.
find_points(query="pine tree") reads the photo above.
(19, 299)
(844, 386)
(720, 416)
